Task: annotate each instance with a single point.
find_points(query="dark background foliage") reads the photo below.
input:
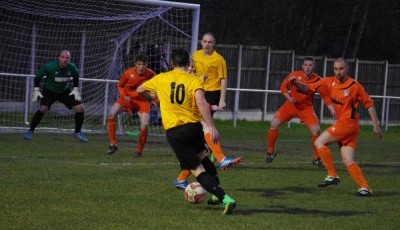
(369, 30)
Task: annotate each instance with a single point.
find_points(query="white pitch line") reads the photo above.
(176, 163)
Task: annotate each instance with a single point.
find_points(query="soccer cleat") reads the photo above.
(271, 156)
(329, 180)
(317, 162)
(182, 184)
(364, 192)
(81, 137)
(137, 154)
(229, 205)
(229, 161)
(112, 149)
(213, 200)
(28, 135)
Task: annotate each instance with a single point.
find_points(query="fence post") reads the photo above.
(291, 70)
(267, 69)
(356, 69)
(237, 92)
(321, 113)
(384, 91)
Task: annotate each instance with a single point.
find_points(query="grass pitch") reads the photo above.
(55, 182)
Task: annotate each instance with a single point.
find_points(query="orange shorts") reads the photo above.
(141, 106)
(345, 132)
(288, 111)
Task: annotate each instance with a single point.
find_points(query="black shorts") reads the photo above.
(50, 97)
(187, 141)
(212, 97)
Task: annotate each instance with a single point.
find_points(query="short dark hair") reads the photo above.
(309, 58)
(180, 57)
(142, 58)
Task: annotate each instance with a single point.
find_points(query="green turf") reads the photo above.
(55, 182)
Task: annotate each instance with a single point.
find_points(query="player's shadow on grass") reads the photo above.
(277, 192)
(300, 211)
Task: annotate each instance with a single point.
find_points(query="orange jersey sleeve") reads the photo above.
(130, 80)
(345, 96)
(302, 99)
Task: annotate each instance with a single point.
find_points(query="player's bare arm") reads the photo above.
(224, 84)
(206, 115)
(300, 86)
(374, 118)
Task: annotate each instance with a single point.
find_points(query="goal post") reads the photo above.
(103, 38)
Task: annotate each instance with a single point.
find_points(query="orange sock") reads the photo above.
(184, 175)
(357, 175)
(142, 140)
(272, 136)
(111, 131)
(327, 159)
(315, 150)
(215, 148)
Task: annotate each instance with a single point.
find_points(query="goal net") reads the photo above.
(103, 38)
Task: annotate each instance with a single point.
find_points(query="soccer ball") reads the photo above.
(194, 193)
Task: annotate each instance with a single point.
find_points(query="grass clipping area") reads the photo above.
(55, 182)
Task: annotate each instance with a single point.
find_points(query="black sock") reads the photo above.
(37, 117)
(210, 168)
(210, 185)
(78, 121)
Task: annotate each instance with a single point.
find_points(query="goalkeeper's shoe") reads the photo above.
(364, 192)
(28, 135)
(318, 162)
(271, 156)
(329, 180)
(81, 137)
(213, 200)
(182, 184)
(112, 149)
(229, 161)
(229, 205)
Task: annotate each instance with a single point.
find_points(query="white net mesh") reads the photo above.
(103, 38)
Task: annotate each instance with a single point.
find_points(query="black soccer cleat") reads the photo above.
(317, 162)
(363, 192)
(329, 180)
(270, 157)
(112, 149)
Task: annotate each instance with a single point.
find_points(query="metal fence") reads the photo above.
(255, 74)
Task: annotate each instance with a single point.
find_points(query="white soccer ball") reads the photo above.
(194, 193)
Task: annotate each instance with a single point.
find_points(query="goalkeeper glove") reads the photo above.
(36, 93)
(75, 92)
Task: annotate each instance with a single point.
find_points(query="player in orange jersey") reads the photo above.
(298, 105)
(129, 100)
(346, 94)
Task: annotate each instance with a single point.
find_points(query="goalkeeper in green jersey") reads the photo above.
(56, 87)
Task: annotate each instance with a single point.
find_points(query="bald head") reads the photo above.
(64, 58)
(208, 43)
(341, 68)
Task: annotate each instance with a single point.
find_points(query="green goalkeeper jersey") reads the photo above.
(57, 79)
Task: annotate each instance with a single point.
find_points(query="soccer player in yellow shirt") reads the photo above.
(210, 66)
(183, 107)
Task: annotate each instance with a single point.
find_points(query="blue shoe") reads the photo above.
(81, 137)
(180, 184)
(28, 135)
(229, 161)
